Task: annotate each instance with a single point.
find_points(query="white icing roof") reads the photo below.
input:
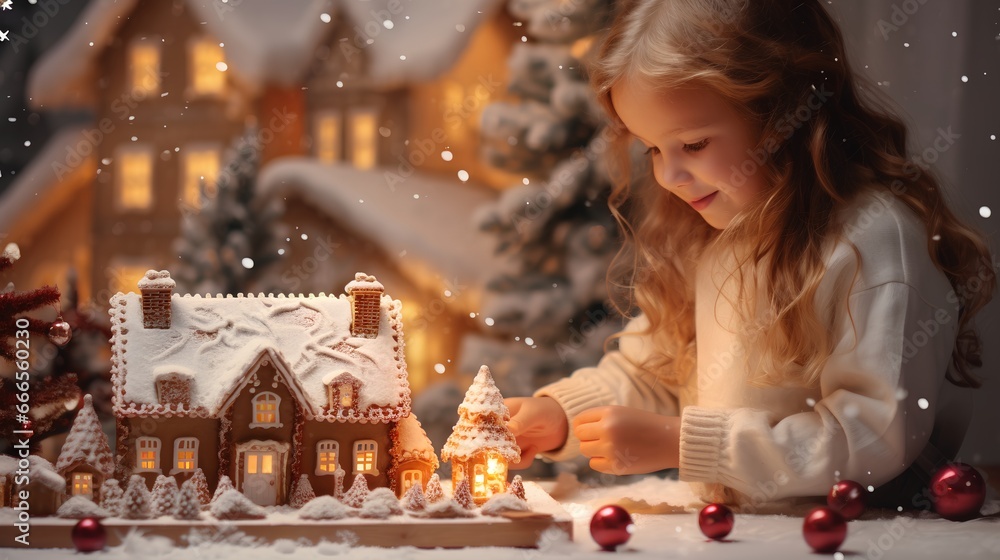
(86, 443)
(482, 423)
(414, 443)
(270, 41)
(220, 338)
(157, 279)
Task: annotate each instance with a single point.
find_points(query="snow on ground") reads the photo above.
(658, 536)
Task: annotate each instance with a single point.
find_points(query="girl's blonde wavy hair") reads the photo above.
(767, 57)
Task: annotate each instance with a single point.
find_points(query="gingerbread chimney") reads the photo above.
(156, 288)
(365, 293)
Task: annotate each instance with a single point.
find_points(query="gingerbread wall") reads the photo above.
(168, 430)
(345, 433)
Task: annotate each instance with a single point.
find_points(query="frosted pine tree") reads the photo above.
(302, 492)
(434, 492)
(517, 487)
(111, 497)
(225, 483)
(188, 503)
(355, 497)
(555, 236)
(201, 486)
(86, 445)
(164, 496)
(463, 495)
(227, 245)
(414, 499)
(136, 501)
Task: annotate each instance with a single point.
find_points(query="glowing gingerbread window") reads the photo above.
(365, 455)
(185, 455)
(326, 457)
(265, 411)
(83, 485)
(148, 454)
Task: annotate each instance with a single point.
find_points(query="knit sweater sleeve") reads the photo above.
(878, 388)
(615, 380)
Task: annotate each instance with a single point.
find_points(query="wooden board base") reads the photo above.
(516, 530)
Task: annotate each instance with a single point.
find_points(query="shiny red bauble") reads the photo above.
(60, 333)
(847, 498)
(958, 492)
(89, 535)
(716, 521)
(611, 526)
(824, 529)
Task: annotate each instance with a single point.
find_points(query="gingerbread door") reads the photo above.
(262, 471)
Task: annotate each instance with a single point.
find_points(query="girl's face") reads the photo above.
(702, 149)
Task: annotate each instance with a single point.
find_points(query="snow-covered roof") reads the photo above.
(420, 221)
(39, 470)
(86, 443)
(221, 338)
(273, 42)
(482, 423)
(38, 188)
(410, 442)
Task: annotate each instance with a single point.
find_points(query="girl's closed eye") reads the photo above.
(696, 147)
(690, 148)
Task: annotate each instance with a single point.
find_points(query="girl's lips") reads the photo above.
(703, 202)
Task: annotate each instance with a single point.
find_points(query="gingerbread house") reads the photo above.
(481, 445)
(264, 389)
(85, 460)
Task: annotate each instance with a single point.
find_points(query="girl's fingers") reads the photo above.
(587, 432)
(587, 416)
(592, 449)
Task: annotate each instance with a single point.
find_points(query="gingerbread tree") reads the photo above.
(85, 460)
(481, 445)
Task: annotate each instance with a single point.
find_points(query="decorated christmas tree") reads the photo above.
(414, 499)
(111, 496)
(188, 503)
(227, 245)
(481, 445)
(52, 397)
(545, 310)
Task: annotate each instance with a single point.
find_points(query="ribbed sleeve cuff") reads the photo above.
(574, 397)
(703, 439)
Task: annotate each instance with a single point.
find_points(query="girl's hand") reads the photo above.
(538, 424)
(621, 440)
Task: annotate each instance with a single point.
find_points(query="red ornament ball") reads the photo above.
(716, 521)
(847, 498)
(824, 529)
(611, 526)
(958, 492)
(89, 535)
(60, 333)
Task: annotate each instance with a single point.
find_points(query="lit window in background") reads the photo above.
(135, 180)
(326, 461)
(364, 143)
(207, 63)
(201, 166)
(144, 67)
(124, 278)
(364, 456)
(327, 137)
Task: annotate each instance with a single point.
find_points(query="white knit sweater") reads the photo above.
(870, 416)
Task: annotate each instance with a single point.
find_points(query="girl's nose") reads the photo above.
(672, 176)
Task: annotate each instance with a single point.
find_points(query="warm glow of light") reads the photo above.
(144, 67)
(327, 137)
(83, 484)
(200, 167)
(135, 180)
(364, 139)
(252, 463)
(206, 78)
(581, 46)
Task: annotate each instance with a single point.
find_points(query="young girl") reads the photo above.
(806, 295)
